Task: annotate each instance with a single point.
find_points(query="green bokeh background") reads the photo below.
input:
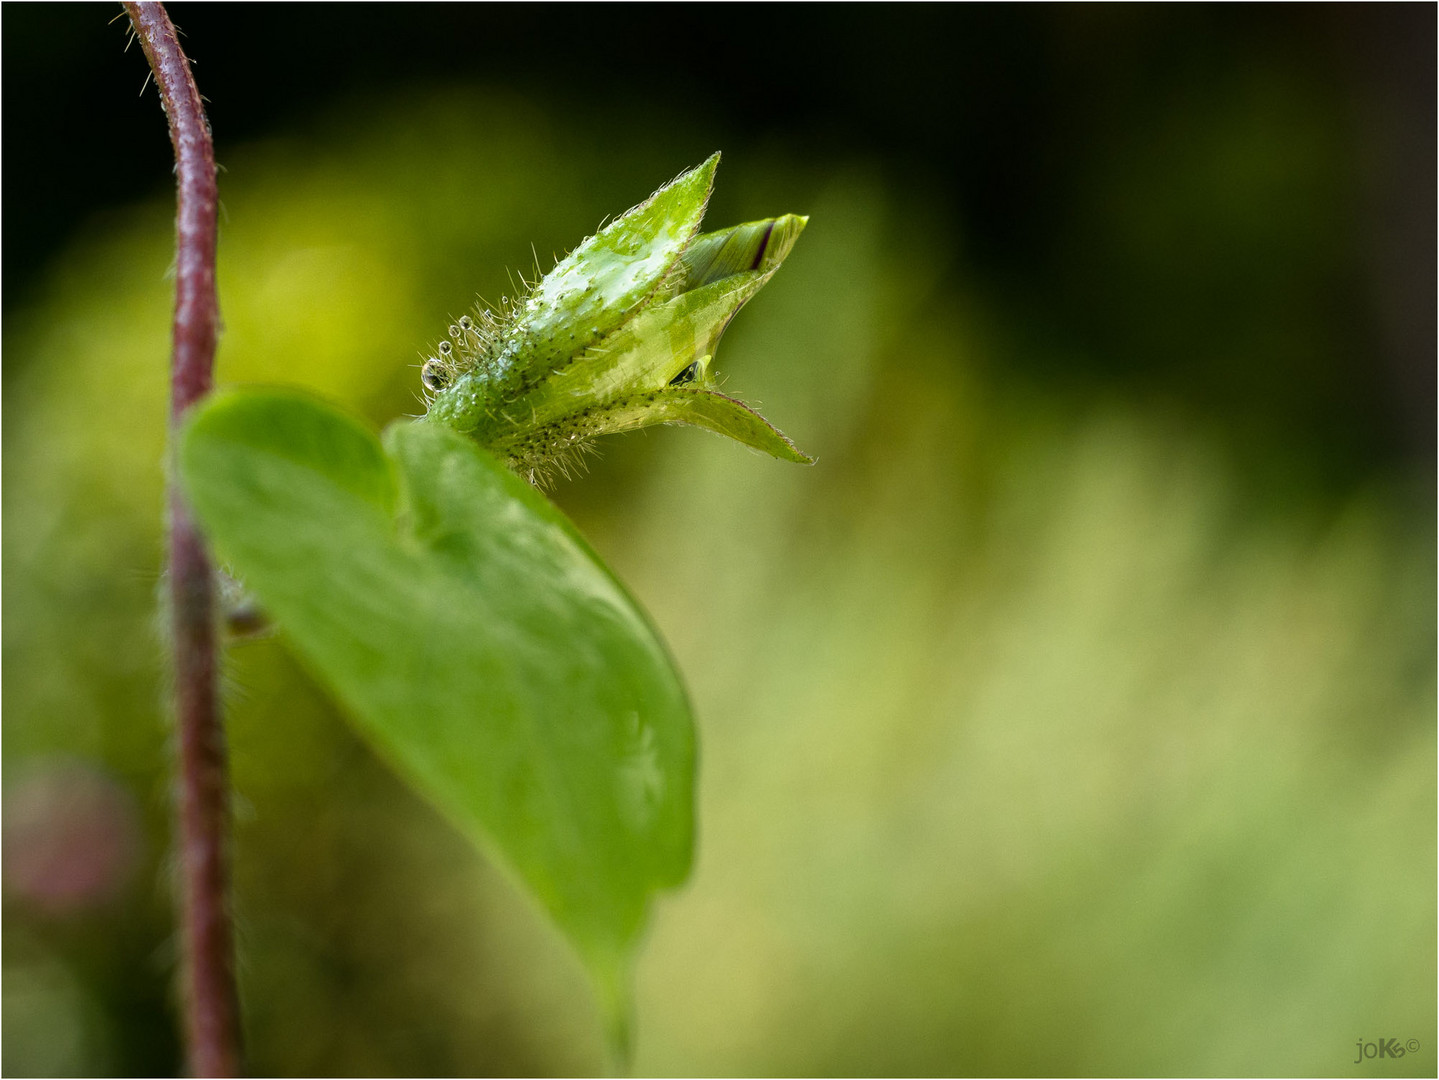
(1072, 715)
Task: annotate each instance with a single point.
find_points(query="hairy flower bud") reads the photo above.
(618, 336)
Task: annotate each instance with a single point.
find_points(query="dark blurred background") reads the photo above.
(1055, 136)
(1114, 331)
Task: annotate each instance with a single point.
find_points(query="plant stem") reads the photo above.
(210, 1002)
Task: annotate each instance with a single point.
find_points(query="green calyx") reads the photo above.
(619, 335)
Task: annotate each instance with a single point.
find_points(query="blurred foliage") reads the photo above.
(1041, 732)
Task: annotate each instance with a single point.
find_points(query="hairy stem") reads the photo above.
(209, 999)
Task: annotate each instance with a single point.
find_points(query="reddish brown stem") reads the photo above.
(209, 999)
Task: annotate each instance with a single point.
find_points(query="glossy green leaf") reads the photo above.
(476, 641)
(725, 416)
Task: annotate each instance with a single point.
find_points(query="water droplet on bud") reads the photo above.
(434, 375)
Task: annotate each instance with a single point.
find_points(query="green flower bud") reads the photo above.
(619, 335)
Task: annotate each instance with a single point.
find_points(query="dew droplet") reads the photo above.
(434, 375)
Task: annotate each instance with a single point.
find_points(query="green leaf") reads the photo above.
(726, 416)
(476, 641)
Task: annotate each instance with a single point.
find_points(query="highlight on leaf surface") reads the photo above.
(621, 334)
